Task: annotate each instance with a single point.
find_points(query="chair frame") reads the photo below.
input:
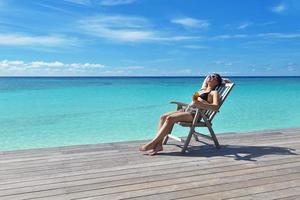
(205, 120)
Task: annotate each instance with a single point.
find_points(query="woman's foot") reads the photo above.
(146, 147)
(156, 149)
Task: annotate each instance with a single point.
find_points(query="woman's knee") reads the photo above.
(171, 119)
(164, 116)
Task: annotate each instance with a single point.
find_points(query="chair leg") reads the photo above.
(214, 137)
(188, 139)
(196, 138)
(166, 140)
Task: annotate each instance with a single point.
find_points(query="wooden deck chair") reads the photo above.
(203, 118)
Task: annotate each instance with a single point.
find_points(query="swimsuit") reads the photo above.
(204, 95)
(192, 109)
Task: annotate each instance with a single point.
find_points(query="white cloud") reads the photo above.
(37, 64)
(234, 36)
(259, 35)
(121, 28)
(188, 22)
(85, 65)
(291, 66)
(82, 2)
(243, 26)
(114, 72)
(195, 47)
(133, 67)
(20, 40)
(177, 38)
(115, 2)
(102, 2)
(12, 65)
(280, 8)
(126, 29)
(58, 68)
(268, 68)
(222, 73)
(280, 35)
(218, 62)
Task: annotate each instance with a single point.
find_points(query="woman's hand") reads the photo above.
(208, 106)
(196, 104)
(195, 96)
(226, 80)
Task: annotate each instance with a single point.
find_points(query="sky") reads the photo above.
(149, 37)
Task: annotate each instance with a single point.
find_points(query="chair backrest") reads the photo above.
(224, 91)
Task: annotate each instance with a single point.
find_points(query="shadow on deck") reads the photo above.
(237, 152)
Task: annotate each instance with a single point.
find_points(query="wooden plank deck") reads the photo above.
(258, 165)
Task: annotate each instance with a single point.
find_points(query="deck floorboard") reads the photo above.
(253, 165)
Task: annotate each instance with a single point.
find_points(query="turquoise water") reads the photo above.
(47, 112)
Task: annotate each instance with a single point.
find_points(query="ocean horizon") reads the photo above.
(271, 76)
(41, 112)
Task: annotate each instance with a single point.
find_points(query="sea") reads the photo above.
(38, 112)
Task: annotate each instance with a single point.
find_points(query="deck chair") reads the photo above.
(203, 118)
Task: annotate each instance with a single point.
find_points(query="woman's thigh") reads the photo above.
(182, 117)
(171, 113)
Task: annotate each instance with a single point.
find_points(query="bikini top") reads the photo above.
(204, 95)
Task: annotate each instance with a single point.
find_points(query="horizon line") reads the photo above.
(165, 76)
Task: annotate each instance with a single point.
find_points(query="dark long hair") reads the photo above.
(219, 79)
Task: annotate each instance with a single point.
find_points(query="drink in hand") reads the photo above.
(195, 96)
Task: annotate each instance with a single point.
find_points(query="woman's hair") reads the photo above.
(219, 79)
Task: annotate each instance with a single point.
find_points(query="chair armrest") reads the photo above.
(179, 103)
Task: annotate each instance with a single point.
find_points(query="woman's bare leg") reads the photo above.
(163, 118)
(166, 128)
(172, 119)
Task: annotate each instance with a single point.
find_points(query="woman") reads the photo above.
(207, 98)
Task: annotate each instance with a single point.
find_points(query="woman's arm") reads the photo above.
(209, 106)
(204, 84)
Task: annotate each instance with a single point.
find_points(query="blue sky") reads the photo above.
(149, 37)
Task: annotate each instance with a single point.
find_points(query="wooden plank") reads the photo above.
(118, 170)
(293, 197)
(287, 193)
(47, 154)
(200, 190)
(65, 149)
(147, 159)
(141, 168)
(183, 189)
(111, 176)
(272, 188)
(117, 152)
(84, 188)
(77, 165)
